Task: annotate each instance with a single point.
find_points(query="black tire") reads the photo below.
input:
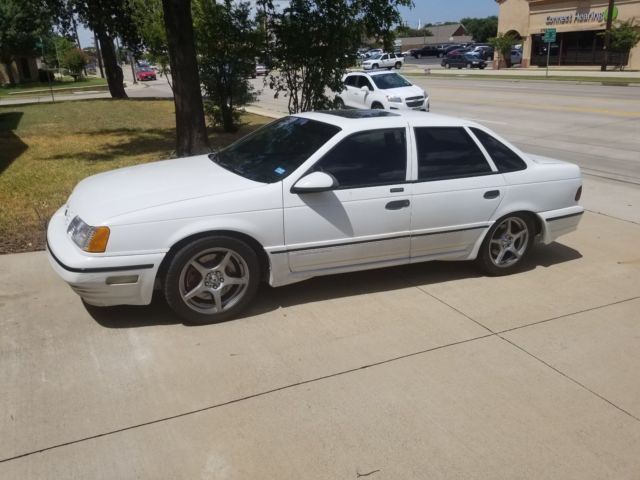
(398, 65)
(377, 106)
(447, 66)
(459, 67)
(482, 67)
(418, 56)
(374, 66)
(339, 103)
(209, 253)
(505, 246)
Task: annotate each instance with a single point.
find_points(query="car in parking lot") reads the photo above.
(381, 90)
(426, 51)
(384, 60)
(463, 60)
(310, 194)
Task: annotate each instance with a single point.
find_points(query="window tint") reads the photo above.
(363, 82)
(375, 157)
(448, 152)
(505, 159)
(272, 152)
(351, 81)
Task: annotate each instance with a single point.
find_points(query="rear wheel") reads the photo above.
(377, 106)
(447, 66)
(398, 65)
(506, 245)
(212, 279)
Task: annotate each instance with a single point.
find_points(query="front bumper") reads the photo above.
(421, 106)
(100, 279)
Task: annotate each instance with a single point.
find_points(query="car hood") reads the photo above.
(101, 197)
(404, 92)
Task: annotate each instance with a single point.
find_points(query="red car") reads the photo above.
(145, 73)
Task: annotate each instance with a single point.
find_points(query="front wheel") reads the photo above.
(212, 279)
(377, 106)
(398, 65)
(339, 103)
(374, 66)
(506, 245)
(447, 66)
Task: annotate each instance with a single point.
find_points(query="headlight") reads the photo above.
(394, 99)
(88, 238)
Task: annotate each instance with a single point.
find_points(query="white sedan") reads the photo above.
(310, 194)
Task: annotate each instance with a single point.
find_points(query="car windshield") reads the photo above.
(274, 151)
(375, 57)
(389, 80)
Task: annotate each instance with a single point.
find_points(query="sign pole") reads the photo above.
(548, 55)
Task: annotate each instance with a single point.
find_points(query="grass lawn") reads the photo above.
(47, 148)
(12, 92)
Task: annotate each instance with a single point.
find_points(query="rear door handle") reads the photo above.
(492, 194)
(397, 204)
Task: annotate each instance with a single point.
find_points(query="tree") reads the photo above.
(109, 19)
(315, 41)
(22, 23)
(227, 42)
(149, 21)
(75, 60)
(404, 31)
(191, 133)
(624, 35)
(481, 29)
(503, 45)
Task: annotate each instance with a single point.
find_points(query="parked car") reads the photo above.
(145, 73)
(311, 194)
(485, 52)
(384, 60)
(516, 57)
(261, 69)
(426, 51)
(381, 90)
(372, 53)
(444, 49)
(464, 60)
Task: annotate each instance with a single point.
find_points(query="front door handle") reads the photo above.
(397, 204)
(492, 194)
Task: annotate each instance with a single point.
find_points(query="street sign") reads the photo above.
(549, 35)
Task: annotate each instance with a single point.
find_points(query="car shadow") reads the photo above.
(329, 287)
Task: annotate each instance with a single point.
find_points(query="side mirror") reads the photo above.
(315, 182)
(364, 88)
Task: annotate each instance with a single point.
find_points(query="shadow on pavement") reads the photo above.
(331, 287)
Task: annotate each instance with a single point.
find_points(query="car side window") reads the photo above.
(385, 57)
(448, 152)
(505, 159)
(373, 157)
(364, 82)
(350, 81)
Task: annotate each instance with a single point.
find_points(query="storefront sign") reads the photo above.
(581, 17)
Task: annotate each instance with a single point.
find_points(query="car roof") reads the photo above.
(351, 120)
(372, 72)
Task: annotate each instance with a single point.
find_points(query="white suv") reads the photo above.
(383, 60)
(381, 90)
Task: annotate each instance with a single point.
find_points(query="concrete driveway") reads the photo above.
(428, 371)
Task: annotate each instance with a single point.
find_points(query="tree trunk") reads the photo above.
(191, 132)
(114, 72)
(10, 77)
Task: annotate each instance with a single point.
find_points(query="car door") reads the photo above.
(457, 190)
(365, 220)
(360, 96)
(349, 92)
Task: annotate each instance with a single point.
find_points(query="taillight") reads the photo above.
(578, 193)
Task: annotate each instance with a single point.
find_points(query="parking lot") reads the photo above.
(426, 371)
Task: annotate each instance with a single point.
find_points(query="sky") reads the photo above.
(432, 11)
(427, 11)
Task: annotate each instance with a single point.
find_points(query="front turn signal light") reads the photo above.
(99, 239)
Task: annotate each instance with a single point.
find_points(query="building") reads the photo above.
(23, 69)
(454, 33)
(579, 24)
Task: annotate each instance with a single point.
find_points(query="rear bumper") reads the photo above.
(560, 222)
(101, 280)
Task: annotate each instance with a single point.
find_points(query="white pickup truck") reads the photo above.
(384, 60)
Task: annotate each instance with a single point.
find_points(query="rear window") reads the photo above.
(505, 159)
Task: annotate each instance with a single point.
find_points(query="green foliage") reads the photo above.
(312, 43)
(75, 60)
(624, 35)
(481, 29)
(22, 23)
(503, 45)
(149, 19)
(404, 31)
(113, 17)
(227, 43)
